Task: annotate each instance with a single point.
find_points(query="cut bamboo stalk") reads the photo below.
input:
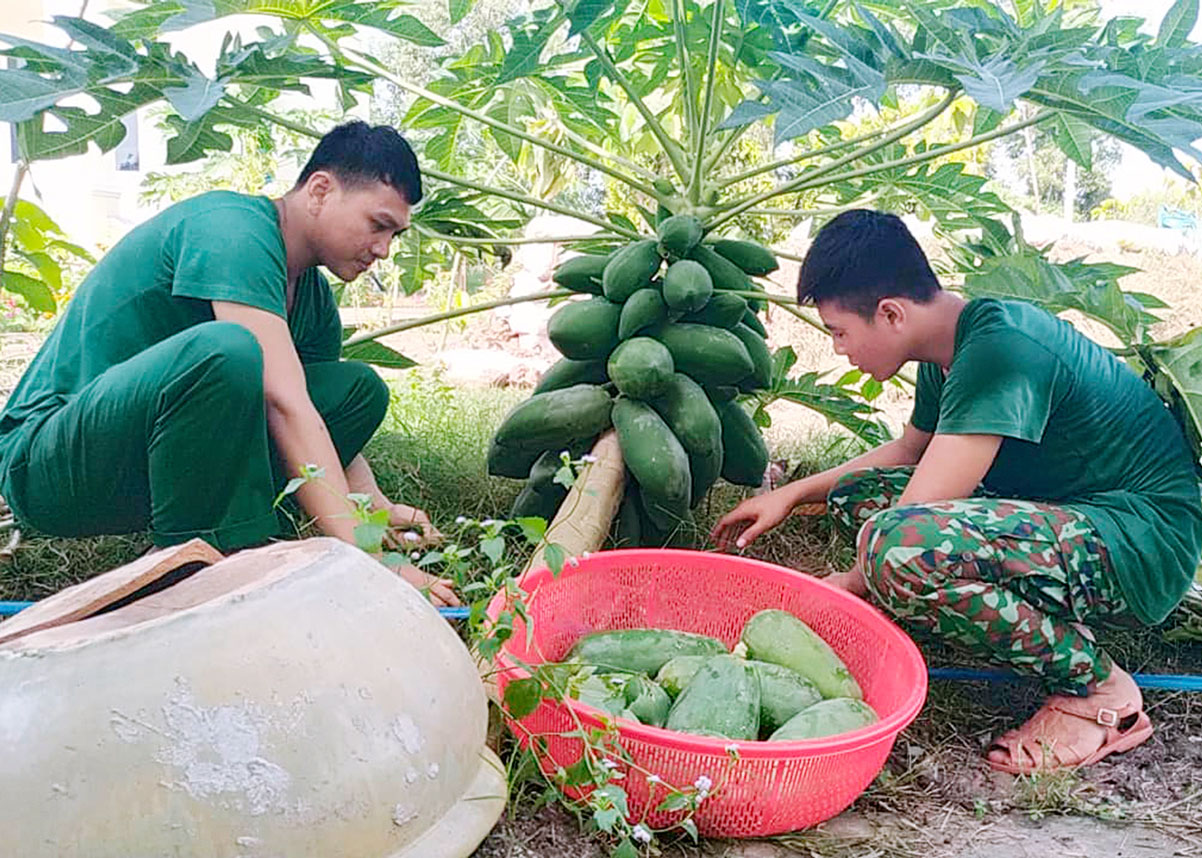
(584, 517)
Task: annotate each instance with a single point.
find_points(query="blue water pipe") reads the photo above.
(1165, 681)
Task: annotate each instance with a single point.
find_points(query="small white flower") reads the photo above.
(488, 522)
(703, 784)
(654, 779)
(574, 561)
(410, 536)
(608, 764)
(415, 555)
(732, 748)
(588, 458)
(640, 833)
(461, 519)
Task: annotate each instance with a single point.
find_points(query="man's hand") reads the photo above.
(751, 518)
(404, 519)
(437, 589)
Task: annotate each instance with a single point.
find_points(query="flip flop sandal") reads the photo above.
(1126, 728)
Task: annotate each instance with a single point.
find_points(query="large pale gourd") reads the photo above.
(295, 700)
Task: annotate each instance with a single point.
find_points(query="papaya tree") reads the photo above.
(655, 98)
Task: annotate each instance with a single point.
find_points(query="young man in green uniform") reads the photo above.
(196, 367)
(1040, 488)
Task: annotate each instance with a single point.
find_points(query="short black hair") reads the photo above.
(862, 256)
(358, 153)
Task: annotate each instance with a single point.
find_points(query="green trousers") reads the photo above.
(175, 440)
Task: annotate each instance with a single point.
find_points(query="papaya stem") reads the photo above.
(671, 147)
(367, 336)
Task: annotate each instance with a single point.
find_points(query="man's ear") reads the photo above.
(891, 312)
(318, 188)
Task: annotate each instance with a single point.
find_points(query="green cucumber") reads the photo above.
(781, 638)
(641, 650)
(722, 699)
(826, 718)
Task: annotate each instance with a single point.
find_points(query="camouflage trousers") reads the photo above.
(1016, 582)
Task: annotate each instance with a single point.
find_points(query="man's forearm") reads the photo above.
(302, 439)
(815, 488)
(362, 481)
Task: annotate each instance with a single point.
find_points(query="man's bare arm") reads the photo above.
(952, 467)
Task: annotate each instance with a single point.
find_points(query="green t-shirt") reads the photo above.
(159, 280)
(1079, 428)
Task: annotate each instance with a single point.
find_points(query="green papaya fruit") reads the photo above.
(642, 310)
(761, 376)
(585, 330)
(581, 273)
(678, 235)
(567, 372)
(631, 268)
(723, 310)
(753, 258)
(744, 453)
(687, 286)
(641, 368)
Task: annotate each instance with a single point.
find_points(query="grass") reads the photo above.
(431, 452)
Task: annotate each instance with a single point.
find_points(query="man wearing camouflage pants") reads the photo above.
(1040, 488)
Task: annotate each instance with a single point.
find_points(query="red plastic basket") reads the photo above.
(774, 786)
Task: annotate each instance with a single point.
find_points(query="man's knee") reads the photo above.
(849, 485)
(886, 547)
(230, 353)
(367, 393)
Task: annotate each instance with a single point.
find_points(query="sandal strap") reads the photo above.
(1079, 707)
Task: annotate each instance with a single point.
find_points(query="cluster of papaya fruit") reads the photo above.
(667, 340)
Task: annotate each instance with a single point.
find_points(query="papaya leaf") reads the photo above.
(375, 352)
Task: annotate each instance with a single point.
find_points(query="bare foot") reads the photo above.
(1068, 732)
(852, 581)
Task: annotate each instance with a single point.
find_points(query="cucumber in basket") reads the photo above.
(826, 718)
(641, 650)
(723, 699)
(779, 637)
